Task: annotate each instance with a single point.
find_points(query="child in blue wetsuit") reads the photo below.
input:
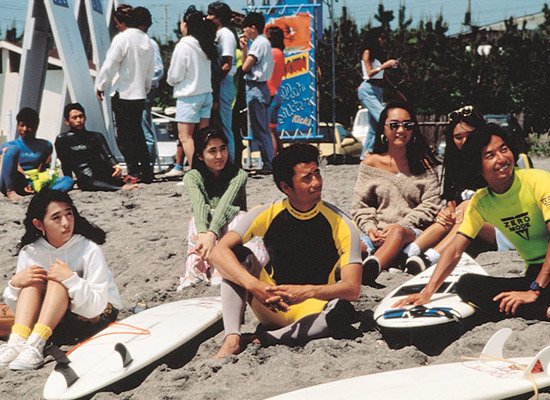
(24, 154)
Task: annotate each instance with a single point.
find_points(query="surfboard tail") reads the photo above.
(540, 363)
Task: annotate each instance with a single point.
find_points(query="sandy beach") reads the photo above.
(145, 249)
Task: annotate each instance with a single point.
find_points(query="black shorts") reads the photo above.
(74, 328)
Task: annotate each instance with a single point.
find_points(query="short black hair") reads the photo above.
(220, 10)
(276, 37)
(70, 107)
(28, 116)
(288, 157)
(477, 141)
(254, 19)
(143, 17)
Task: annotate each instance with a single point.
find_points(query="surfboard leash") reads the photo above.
(138, 331)
(521, 367)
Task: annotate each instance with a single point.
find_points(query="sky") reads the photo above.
(166, 13)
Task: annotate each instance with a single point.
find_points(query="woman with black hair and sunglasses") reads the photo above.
(397, 190)
(517, 202)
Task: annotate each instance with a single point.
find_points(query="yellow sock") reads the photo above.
(42, 330)
(21, 330)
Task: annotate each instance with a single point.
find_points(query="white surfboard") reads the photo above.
(129, 345)
(445, 305)
(488, 378)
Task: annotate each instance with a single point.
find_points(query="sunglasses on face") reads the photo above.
(407, 125)
(462, 112)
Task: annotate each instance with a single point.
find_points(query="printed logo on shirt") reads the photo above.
(546, 201)
(79, 147)
(518, 224)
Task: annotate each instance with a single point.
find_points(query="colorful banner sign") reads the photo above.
(297, 118)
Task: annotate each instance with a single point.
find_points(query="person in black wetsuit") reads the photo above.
(87, 154)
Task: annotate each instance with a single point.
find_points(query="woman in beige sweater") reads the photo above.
(397, 190)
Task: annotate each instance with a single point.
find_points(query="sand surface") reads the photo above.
(146, 252)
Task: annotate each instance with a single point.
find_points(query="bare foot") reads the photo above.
(13, 196)
(231, 346)
(130, 186)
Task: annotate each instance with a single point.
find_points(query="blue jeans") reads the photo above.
(227, 95)
(148, 127)
(371, 97)
(273, 110)
(258, 99)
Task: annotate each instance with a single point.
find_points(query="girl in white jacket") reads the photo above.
(190, 74)
(61, 275)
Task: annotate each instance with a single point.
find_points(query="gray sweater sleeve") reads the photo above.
(363, 208)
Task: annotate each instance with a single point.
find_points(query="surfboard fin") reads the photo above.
(124, 353)
(495, 344)
(62, 365)
(540, 363)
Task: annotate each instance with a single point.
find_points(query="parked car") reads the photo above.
(167, 139)
(346, 147)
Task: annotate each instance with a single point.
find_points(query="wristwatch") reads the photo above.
(535, 287)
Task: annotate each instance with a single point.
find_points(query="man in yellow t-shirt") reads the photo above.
(517, 202)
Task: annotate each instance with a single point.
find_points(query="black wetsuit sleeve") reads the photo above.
(104, 149)
(64, 155)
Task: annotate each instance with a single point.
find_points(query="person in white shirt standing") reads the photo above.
(190, 74)
(147, 119)
(131, 58)
(226, 41)
(258, 67)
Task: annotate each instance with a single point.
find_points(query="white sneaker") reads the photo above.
(9, 352)
(29, 358)
(174, 173)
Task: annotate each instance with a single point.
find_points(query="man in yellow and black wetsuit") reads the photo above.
(315, 261)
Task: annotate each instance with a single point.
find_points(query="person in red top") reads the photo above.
(276, 38)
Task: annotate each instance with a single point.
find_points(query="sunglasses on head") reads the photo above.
(462, 112)
(407, 125)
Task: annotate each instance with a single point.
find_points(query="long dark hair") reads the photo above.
(201, 137)
(373, 45)
(455, 180)
(37, 209)
(419, 155)
(203, 30)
